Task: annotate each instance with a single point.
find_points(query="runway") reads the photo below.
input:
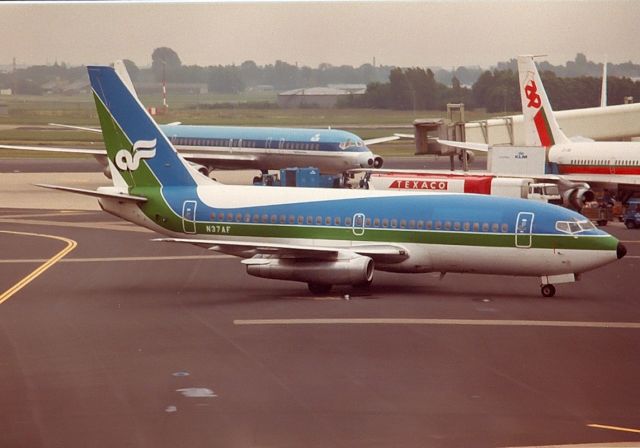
(126, 342)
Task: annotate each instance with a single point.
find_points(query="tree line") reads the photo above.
(574, 85)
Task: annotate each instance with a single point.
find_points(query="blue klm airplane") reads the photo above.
(241, 147)
(331, 236)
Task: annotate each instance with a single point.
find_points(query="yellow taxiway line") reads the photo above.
(71, 244)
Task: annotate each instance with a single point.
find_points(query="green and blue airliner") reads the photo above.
(325, 237)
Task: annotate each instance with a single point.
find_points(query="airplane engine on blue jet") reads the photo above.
(201, 168)
(357, 270)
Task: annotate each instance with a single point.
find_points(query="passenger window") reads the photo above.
(447, 225)
(300, 220)
(367, 222)
(247, 217)
(327, 220)
(494, 227)
(347, 222)
(420, 224)
(309, 220)
(238, 217)
(438, 225)
(403, 224)
(385, 222)
(265, 218)
(292, 219)
(505, 228)
(283, 219)
(274, 219)
(456, 225)
(466, 226)
(230, 217)
(220, 216)
(318, 220)
(336, 221)
(394, 223)
(376, 222)
(256, 218)
(429, 225)
(412, 223)
(485, 227)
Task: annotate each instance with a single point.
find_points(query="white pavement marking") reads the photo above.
(197, 392)
(463, 322)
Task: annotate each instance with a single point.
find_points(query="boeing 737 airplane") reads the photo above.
(242, 147)
(331, 236)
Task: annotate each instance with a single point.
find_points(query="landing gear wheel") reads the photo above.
(548, 290)
(318, 289)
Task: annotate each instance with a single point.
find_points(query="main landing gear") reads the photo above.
(548, 290)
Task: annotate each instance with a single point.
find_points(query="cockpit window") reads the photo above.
(573, 227)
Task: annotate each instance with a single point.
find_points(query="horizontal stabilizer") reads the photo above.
(98, 194)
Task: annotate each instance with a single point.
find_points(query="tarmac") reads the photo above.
(109, 339)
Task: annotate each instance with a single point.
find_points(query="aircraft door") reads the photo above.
(524, 228)
(358, 224)
(189, 216)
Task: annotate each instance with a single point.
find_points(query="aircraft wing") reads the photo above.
(465, 145)
(204, 155)
(375, 141)
(389, 253)
(95, 152)
(602, 178)
(191, 156)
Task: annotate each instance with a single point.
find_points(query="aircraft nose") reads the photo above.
(621, 251)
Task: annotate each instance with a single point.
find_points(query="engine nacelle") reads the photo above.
(352, 271)
(201, 168)
(470, 156)
(576, 196)
(377, 162)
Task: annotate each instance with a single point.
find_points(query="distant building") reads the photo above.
(6, 92)
(319, 96)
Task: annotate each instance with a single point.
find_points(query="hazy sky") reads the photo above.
(417, 33)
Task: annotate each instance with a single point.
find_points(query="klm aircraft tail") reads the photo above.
(540, 125)
(140, 156)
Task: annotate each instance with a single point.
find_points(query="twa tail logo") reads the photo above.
(531, 93)
(142, 149)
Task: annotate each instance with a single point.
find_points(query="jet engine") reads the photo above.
(356, 270)
(575, 195)
(377, 162)
(201, 168)
(470, 156)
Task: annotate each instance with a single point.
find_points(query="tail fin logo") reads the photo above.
(531, 93)
(130, 161)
